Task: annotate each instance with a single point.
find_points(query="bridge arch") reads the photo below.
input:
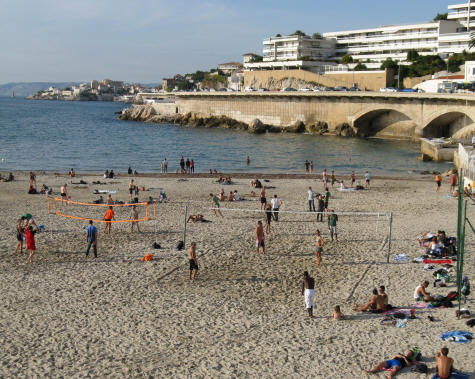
(446, 124)
(387, 122)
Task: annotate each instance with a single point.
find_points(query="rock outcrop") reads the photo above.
(257, 127)
(345, 130)
(320, 127)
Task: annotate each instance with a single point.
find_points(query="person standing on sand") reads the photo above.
(110, 201)
(91, 237)
(131, 188)
(438, 180)
(215, 205)
(260, 238)
(352, 179)
(311, 201)
(30, 241)
(319, 244)
(193, 262)
(268, 210)
(134, 215)
(64, 193)
(311, 167)
(332, 219)
(307, 166)
(308, 291)
(327, 197)
(453, 181)
(332, 178)
(320, 208)
(262, 197)
(276, 204)
(187, 165)
(368, 179)
(182, 165)
(32, 180)
(108, 217)
(20, 232)
(165, 165)
(192, 166)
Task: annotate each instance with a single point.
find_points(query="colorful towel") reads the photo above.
(459, 336)
(420, 305)
(439, 261)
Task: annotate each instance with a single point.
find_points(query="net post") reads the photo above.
(389, 235)
(184, 229)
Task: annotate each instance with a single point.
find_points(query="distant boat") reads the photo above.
(13, 93)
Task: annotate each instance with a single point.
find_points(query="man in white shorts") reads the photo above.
(308, 291)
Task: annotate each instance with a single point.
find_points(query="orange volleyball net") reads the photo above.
(76, 210)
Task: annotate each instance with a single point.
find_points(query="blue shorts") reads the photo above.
(393, 363)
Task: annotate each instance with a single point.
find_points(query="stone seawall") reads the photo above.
(363, 114)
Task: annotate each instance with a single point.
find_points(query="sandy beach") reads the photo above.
(66, 315)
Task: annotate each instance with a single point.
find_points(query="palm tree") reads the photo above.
(472, 40)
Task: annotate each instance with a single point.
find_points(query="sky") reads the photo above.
(143, 41)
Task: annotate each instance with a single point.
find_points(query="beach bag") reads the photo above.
(179, 245)
(471, 322)
(451, 295)
(465, 290)
(420, 367)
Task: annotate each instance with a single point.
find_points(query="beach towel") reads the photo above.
(438, 261)
(406, 312)
(155, 189)
(346, 189)
(96, 192)
(401, 258)
(420, 305)
(459, 336)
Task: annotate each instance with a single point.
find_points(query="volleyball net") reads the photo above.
(101, 213)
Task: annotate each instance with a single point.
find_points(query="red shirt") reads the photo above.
(109, 214)
(30, 240)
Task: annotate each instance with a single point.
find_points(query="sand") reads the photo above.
(71, 316)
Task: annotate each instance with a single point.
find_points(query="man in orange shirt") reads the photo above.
(453, 181)
(438, 180)
(108, 217)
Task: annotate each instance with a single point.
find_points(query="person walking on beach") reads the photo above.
(30, 241)
(131, 188)
(64, 193)
(187, 165)
(438, 181)
(332, 220)
(311, 167)
(276, 204)
(327, 197)
(20, 232)
(453, 181)
(192, 166)
(311, 200)
(182, 165)
(368, 179)
(91, 237)
(324, 177)
(332, 178)
(165, 165)
(260, 237)
(193, 262)
(110, 200)
(215, 202)
(268, 210)
(262, 197)
(308, 291)
(307, 166)
(319, 243)
(134, 215)
(108, 217)
(320, 208)
(352, 179)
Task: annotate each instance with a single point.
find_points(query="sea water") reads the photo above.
(87, 136)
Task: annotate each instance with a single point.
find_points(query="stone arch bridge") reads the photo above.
(370, 114)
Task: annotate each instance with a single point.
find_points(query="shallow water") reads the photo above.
(57, 135)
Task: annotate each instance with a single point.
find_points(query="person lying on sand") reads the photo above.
(195, 218)
(395, 364)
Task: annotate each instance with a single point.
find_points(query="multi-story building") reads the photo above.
(372, 46)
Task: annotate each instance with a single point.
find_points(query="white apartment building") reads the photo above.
(290, 52)
(372, 46)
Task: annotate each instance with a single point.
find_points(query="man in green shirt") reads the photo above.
(332, 219)
(327, 197)
(215, 205)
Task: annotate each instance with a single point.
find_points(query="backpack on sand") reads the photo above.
(421, 367)
(179, 245)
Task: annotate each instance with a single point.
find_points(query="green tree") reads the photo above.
(441, 16)
(390, 64)
(256, 59)
(346, 59)
(317, 36)
(412, 55)
(360, 67)
(278, 35)
(299, 33)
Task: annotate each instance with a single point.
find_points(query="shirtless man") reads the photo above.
(131, 188)
(374, 305)
(324, 178)
(193, 262)
(262, 197)
(64, 193)
(445, 365)
(420, 294)
(134, 215)
(260, 238)
(352, 178)
(319, 243)
(395, 364)
(308, 290)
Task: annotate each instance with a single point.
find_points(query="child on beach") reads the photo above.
(20, 230)
(337, 315)
(30, 241)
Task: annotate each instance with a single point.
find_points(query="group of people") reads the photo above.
(225, 180)
(232, 196)
(9, 178)
(188, 166)
(26, 229)
(378, 303)
(453, 179)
